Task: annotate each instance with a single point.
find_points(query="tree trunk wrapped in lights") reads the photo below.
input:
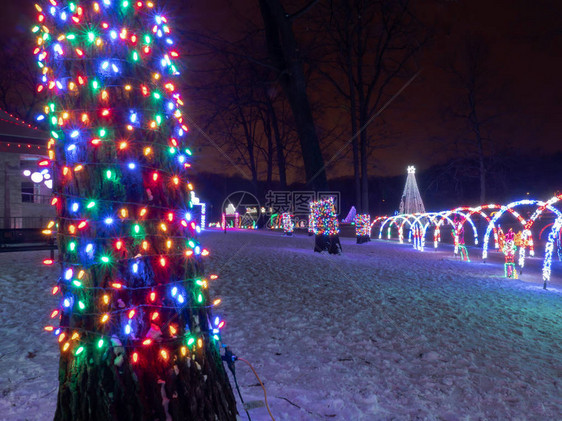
(137, 337)
(363, 228)
(325, 226)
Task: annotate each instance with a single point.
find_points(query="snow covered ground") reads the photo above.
(381, 332)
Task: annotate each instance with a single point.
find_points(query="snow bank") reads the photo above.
(380, 332)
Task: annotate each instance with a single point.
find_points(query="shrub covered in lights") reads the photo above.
(325, 226)
(287, 224)
(363, 228)
(135, 329)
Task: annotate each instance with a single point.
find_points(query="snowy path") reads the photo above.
(380, 332)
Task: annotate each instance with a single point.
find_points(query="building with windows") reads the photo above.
(25, 188)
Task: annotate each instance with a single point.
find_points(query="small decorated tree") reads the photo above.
(363, 228)
(287, 224)
(325, 226)
(137, 337)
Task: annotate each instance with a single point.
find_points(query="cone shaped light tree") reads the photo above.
(411, 201)
(137, 337)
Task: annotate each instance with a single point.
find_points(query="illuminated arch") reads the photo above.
(433, 219)
(420, 244)
(465, 217)
(544, 229)
(437, 231)
(392, 221)
(526, 236)
(480, 211)
(554, 232)
(377, 219)
(509, 207)
(406, 218)
(417, 228)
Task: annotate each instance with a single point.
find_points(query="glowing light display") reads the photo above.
(417, 225)
(132, 289)
(363, 228)
(288, 225)
(325, 226)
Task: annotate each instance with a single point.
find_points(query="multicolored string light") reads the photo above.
(288, 225)
(324, 218)
(362, 225)
(132, 275)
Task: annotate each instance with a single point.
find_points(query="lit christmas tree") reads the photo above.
(325, 226)
(288, 226)
(136, 334)
(411, 201)
(363, 228)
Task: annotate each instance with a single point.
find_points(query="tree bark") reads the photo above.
(100, 390)
(284, 53)
(353, 112)
(279, 147)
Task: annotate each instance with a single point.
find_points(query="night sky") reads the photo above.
(524, 38)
